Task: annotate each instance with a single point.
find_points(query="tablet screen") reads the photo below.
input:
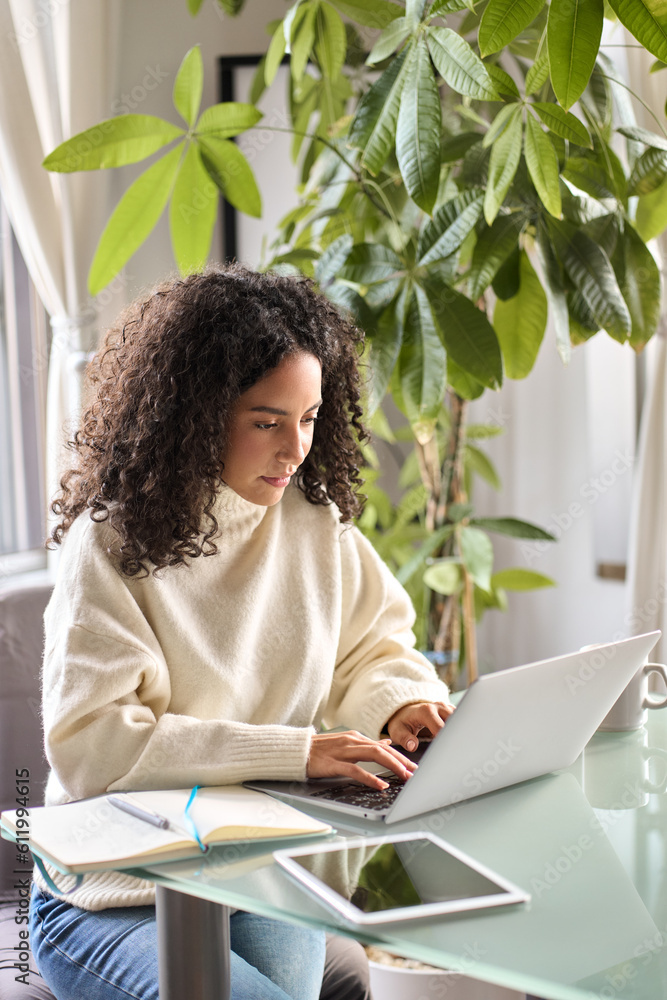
(399, 874)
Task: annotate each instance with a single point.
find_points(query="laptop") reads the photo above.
(509, 726)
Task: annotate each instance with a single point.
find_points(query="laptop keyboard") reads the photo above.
(354, 794)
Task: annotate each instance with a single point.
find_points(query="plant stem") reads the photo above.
(451, 489)
(332, 146)
(469, 630)
(445, 486)
(429, 467)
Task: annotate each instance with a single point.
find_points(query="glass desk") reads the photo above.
(589, 844)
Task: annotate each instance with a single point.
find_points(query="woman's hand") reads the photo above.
(422, 718)
(333, 755)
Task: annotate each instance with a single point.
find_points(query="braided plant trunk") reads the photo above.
(450, 618)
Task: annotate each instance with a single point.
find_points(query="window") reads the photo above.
(23, 370)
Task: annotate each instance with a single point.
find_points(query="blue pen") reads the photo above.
(134, 810)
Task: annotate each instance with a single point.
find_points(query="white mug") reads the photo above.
(621, 771)
(630, 711)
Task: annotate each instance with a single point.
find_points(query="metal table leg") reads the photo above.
(193, 947)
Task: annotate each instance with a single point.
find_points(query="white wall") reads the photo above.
(566, 461)
(155, 35)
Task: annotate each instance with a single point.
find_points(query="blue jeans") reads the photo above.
(112, 954)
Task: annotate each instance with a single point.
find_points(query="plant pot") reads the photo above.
(392, 982)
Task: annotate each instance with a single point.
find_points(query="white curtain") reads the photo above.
(57, 60)
(647, 560)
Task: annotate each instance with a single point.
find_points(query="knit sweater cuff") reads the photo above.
(279, 753)
(99, 890)
(393, 695)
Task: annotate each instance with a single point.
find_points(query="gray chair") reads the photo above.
(21, 642)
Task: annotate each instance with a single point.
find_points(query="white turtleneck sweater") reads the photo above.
(221, 670)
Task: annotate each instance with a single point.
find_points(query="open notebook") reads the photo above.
(91, 834)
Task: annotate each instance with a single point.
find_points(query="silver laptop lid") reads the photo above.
(520, 723)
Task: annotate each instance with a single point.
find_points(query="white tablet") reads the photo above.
(401, 877)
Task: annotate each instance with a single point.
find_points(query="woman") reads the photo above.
(214, 606)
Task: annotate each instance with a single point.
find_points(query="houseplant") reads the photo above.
(451, 199)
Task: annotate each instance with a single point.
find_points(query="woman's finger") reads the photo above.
(334, 754)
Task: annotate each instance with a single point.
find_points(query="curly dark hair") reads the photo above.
(167, 375)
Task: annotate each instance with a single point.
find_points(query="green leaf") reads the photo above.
(520, 322)
(331, 44)
(502, 81)
(132, 220)
(647, 21)
(112, 143)
(480, 432)
(652, 213)
(454, 147)
(373, 129)
(414, 10)
(462, 382)
(227, 119)
(274, 55)
(506, 282)
(446, 231)
(348, 299)
(477, 555)
(332, 259)
(370, 13)
(643, 135)
(604, 170)
(301, 258)
(505, 156)
(258, 84)
(302, 38)
(450, 6)
(459, 511)
(385, 344)
(418, 129)
(458, 65)
(503, 120)
(563, 123)
(368, 263)
(640, 285)
(538, 74)
(231, 172)
(574, 30)
(188, 85)
(503, 20)
(231, 7)
(492, 249)
(520, 579)
(649, 172)
(421, 366)
(466, 333)
(433, 542)
(590, 176)
(542, 165)
(591, 273)
(390, 39)
(444, 576)
(192, 213)
(513, 528)
(553, 283)
(603, 230)
(194, 6)
(476, 461)
(293, 15)
(598, 97)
